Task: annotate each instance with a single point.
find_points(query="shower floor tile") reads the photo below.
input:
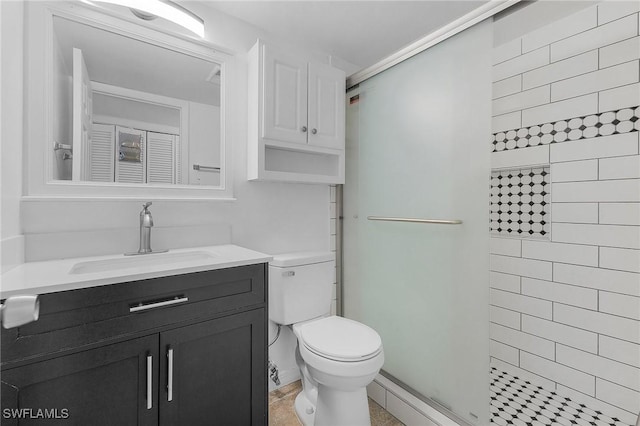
(518, 402)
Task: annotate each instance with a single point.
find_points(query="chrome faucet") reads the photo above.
(146, 223)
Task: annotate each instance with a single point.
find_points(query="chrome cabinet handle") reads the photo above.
(149, 382)
(314, 131)
(152, 305)
(304, 129)
(170, 375)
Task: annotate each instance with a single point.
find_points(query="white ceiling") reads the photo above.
(121, 61)
(360, 32)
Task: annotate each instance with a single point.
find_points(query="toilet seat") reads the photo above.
(340, 339)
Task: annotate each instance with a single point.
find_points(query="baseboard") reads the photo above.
(405, 406)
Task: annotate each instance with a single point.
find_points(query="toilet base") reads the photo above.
(336, 407)
(304, 409)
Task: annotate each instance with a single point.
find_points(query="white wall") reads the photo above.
(565, 309)
(11, 39)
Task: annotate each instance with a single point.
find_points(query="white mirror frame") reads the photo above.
(39, 130)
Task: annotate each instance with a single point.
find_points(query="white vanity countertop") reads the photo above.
(71, 274)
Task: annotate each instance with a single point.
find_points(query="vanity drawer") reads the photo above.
(77, 318)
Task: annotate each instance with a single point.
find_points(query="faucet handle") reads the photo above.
(146, 205)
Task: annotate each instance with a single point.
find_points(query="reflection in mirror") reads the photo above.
(127, 111)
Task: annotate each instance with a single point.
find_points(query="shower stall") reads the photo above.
(491, 219)
(415, 219)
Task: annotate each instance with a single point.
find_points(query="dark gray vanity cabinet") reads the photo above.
(217, 377)
(103, 386)
(181, 350)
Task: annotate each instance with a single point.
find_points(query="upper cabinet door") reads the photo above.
(82, 112)
(327, 87)
(285, 97)
(161, 158)
(102, 164)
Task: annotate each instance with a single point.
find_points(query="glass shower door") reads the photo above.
(417, 148)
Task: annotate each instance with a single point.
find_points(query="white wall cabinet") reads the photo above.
(296, 118)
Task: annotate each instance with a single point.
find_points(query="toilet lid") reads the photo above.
(341, 339)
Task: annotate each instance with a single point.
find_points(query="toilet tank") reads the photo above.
(300, 286)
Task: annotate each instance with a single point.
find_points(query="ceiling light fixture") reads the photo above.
(165, 9)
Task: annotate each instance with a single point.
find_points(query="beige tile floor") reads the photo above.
(281, 411)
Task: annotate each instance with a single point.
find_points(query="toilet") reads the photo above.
(337, 357)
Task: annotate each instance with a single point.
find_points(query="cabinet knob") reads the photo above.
(314, 131)
(304, 129)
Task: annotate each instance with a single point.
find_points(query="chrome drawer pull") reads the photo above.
(149, 382)
(144, 307)
(170, 375)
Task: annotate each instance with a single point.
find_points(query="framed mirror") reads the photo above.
(128, 110)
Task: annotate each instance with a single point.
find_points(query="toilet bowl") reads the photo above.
(341, 358)
(337, 357)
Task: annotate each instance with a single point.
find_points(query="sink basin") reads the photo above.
(147, 260)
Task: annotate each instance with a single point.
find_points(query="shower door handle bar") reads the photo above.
(416, 220)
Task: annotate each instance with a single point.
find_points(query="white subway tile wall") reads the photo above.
(513, 120)
(556, 71)
(620, 97)
(507, 86)
(565, 313)
(574, 212)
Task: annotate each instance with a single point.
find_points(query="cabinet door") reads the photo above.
(214, 372)
(82, 117)
(161, 158)
(102, 163)
(284, 101)
(105, 386)
(327, 87)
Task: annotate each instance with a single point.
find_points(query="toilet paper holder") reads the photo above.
(19, 310)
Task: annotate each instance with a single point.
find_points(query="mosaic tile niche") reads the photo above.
(520, 202)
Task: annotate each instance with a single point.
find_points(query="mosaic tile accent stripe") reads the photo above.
(624, 120)
(518, 402)
(520, 202)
